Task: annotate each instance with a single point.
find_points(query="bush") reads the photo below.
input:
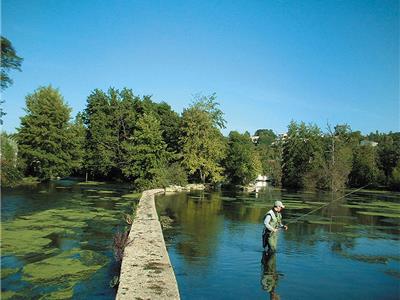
(394, 181)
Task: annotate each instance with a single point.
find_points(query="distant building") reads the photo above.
(255, 139)
(261, 181)
(368, 143)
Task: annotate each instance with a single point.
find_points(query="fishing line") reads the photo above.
(318, 208)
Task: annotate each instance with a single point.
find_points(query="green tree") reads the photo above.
(339, 158)
(242, 164)
(301, 148)
(10, 173)
(148, 154)
(210, 105)
(365, 168)
(394, 180)
(103, 119)
(9, 61)
(203, 146)
(45, 137)
(169, 126)
(78, 137)
(266, 137)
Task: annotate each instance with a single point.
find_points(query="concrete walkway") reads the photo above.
(146, 271)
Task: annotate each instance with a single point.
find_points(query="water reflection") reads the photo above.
(269, 275)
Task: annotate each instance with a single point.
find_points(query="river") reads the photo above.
(347, 250)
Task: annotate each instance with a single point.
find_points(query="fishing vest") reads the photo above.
(276, 218)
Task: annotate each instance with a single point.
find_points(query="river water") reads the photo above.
(57, 240)
(347, 250)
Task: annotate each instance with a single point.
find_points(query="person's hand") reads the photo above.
(275, 230)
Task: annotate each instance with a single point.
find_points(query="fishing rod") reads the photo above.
(318, 208)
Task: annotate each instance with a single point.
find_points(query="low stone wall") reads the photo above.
(146, 271)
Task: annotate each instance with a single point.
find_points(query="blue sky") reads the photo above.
(268, 61)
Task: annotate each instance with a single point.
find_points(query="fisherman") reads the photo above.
(272, 222)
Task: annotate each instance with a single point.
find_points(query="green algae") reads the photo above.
(73, 265)
(325, 222)
(8, 294)
(30, 234)
(5, 272)
(132, 196)
(65, 293)
(91, 183)
(372, 259)
(374, 205)
(379, 214)
(292, 205)
(67, 268)
(105, 192)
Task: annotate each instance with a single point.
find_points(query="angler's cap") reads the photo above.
(279, 204)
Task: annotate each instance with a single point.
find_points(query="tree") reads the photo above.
(242, 164)
(301, 148)
(365, 168)
(45, 137)
(169, 126)
(203, 146)
(78, 136)
(9, 61)
(148, 155)
(105, 124)
(266, 137)
(10, 173)
(394, 180)
(339, 158)
(210, 105)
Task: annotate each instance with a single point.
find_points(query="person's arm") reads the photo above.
(282, 226)
(266, 223)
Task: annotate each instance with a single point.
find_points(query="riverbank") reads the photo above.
(146, 271)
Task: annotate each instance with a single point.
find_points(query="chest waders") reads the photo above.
(270, 238)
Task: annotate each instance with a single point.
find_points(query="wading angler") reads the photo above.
(272, 222)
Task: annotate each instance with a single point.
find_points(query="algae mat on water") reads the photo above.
(58, 274)
(55, 267)
(30, 234)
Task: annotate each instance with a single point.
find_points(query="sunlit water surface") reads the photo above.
(347, 250)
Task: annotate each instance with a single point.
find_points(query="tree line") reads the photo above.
(123, 137)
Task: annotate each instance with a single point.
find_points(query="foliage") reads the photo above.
(10, 173)
(301, 147)
(78, 130)
(269, 149)
(146, 153)
(106, 124)
(210, 105)
(242, 164)
(364, 169)
(9, 61)
(394, 181)
(266, 137)
(339, 159)
(203, 146)
(46, 139)
(173, 174)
